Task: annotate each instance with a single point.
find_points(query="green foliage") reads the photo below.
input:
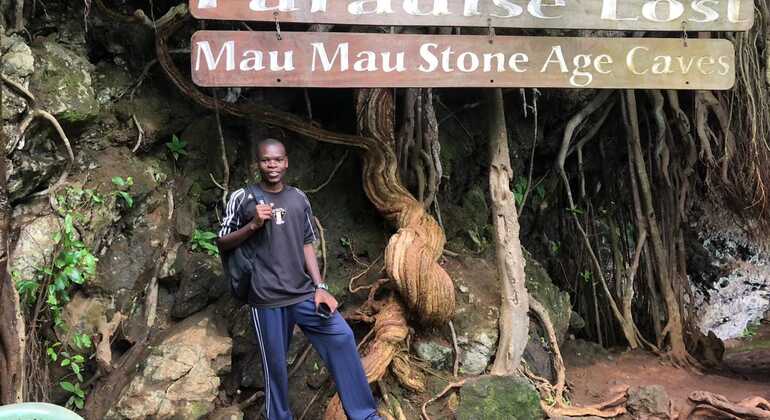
(576, 211)
(124, 185)
(204, 241)
(751, 330)
(478, 235)
(73, 264)
(177, 147)
(77, 397)
(586, 276)
(520, 189)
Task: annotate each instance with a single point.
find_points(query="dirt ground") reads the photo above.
(745, 372)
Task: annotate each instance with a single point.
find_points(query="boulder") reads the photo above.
(61, 82)
(478, 350)
(437, 353)
(648, 402)
(201, 281)
(181, 377)
(34, 226)
(499, 397)
(33, 168)
(17, 64)
(125, 268)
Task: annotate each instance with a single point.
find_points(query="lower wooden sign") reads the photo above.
(311, 59)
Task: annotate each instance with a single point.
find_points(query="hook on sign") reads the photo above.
(277, 26)
(491, 31)
(684, 33)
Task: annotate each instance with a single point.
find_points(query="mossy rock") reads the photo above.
(540, 285)
(499, 398)
(62, 82)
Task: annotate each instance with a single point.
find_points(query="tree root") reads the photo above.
(749, 409)
(37, 112)
(443, 392)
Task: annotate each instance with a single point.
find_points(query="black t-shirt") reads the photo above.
(278, 272)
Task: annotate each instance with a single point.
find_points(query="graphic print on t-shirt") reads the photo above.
(279, 215)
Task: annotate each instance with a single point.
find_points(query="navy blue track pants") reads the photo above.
(334, 342)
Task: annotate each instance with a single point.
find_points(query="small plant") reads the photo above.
(177, 147)
(576, 211)
(586, 276)
(479, 238)
(73, 263)
(124, 185)
(555, 248)
(519, 189)
(750, 330)
(204, 241)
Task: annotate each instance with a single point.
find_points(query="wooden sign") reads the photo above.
(311, 59)
(652, 15)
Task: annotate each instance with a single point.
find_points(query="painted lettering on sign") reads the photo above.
(229, 58)
(662, 15)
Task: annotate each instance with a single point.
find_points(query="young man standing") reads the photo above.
(287, 289)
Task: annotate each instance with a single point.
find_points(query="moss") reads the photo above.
(557, 302)
(197, 409)
(499, 398)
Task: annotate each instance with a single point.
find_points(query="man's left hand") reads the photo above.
(322, 296)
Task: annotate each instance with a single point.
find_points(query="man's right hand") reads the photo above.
(264, 213)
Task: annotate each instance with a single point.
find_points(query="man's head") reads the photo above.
(273, 162)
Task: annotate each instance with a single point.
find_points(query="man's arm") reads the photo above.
(234, 239)
(311, 265)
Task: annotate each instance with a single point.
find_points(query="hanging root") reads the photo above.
(611, 408)
(443, 392)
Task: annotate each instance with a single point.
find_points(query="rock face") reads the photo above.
(477, 313)
(478, 350)
(200, 281)
(180, 379)
(62, 82)
(499, 397)
(437, 353)
(540, 285)
(733, 275)
(36, 226)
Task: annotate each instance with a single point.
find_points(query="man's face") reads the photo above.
(272, 163)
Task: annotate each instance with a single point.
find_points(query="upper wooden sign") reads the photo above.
(312, 59)
(652, 15)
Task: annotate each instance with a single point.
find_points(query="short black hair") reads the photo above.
(269, 142)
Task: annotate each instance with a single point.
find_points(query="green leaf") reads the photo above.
(67, 386)
(78, 358)
(51, 353)
(127, 197)
(119, 181)
(79, 392)
(68, 227)
(74, 275)
(79, 403)
(66, 362)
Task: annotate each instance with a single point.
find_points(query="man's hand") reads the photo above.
(322, 296)
(264, 213)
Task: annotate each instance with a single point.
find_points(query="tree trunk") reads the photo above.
(12, 330)
(514, 323)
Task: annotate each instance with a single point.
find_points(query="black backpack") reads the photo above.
(237, 262)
